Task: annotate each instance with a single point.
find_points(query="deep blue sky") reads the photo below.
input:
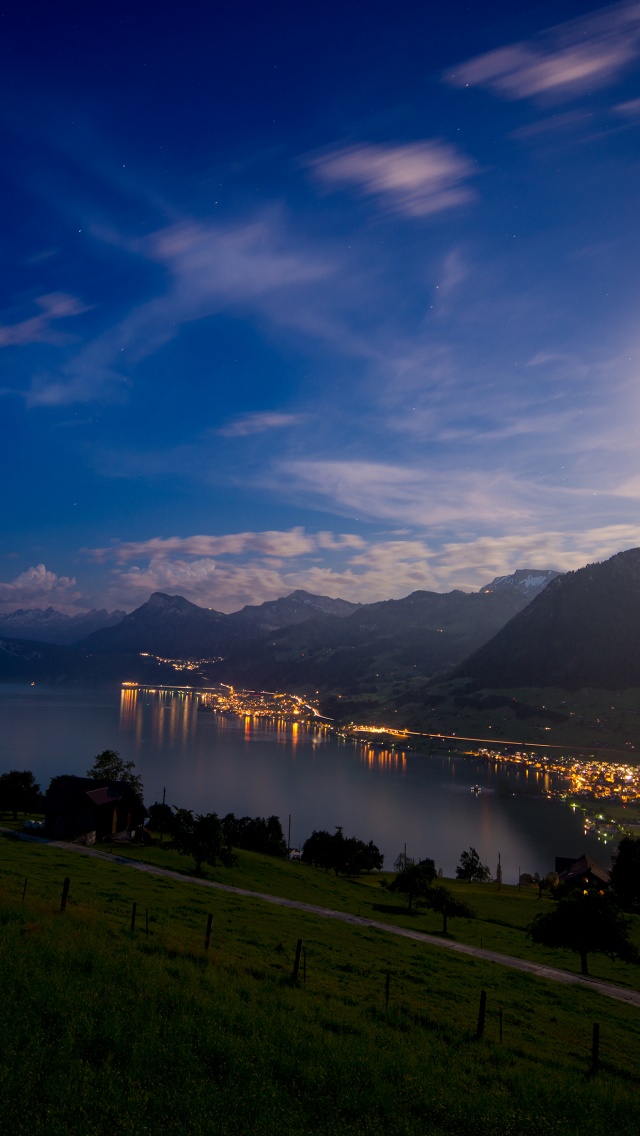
(341, 297)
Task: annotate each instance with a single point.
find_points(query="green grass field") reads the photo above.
(502, 915)
(107, 1032)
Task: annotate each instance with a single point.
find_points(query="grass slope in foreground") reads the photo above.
(116, 1033)
(502, 915)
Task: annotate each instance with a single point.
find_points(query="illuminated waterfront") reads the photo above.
(261, 763)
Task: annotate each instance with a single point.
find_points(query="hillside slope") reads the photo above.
(582, 631)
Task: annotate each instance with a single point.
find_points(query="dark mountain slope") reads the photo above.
(395, 639)
(25, 660)
(583, 630)
(165, 625)
(298, 607)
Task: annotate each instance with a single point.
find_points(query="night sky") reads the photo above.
(342, 297)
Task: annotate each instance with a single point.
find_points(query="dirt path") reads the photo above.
(620, 993)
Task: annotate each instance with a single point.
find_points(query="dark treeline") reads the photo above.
(341, 853)
(253, 834)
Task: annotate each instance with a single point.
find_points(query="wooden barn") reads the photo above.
(82, 808)
(583, 873)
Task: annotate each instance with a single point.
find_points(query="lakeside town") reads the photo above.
(607, 792)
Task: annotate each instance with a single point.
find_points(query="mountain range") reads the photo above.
(532, 651)
(300, 640)
(50, 626)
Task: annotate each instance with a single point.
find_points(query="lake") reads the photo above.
(255, 767)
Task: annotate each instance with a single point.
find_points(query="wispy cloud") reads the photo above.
(416, 179)
(562, 61)
(211, 268)
(417, 494)
(470, 564)
(290, 543)
(39, 328)
(630, 109)
(247, 424)
(364, 571)
(39, 586)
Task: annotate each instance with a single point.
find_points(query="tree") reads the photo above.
(256, 834)
(446, 904)
(544, 883)
(344, 854)
(202, 837)
(471, 868)
(369, 857)
(585, 924)
(18, 790)
(161, 818)
(625, 871)
(317, 849)
(109, 766)
(414, 881)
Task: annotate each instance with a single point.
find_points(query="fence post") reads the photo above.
(296, 965)
(207, 938)
(133, 918)
(24, 890)
(595, 1047)
(65, 893)
(481, 1013)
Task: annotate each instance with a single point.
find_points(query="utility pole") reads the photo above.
(289, 839)
(499, 873)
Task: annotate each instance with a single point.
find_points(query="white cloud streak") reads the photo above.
(563, 61)
(38, 329)
(414, 494)
(212, 268)
(290, 543)
(417, 179)
(259, 423)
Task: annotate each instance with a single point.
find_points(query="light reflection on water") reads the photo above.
(259, 766)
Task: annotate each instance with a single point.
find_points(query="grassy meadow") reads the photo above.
(502, 915)
(108, 1032)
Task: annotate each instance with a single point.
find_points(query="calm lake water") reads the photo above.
(213, 764)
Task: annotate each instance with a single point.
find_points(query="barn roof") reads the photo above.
(105, 795)
(583, 866)
(68, 792)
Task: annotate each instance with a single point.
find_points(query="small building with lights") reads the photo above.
(86, 810)
(583, 873)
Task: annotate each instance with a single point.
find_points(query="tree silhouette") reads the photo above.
(109, 766)
(18, 790)
(471, 868)
(625, 871)
(414, 881)
(585, 924)
(446, 904)
(202, 837)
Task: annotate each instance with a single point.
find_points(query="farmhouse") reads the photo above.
(584, 872)
(82, 808)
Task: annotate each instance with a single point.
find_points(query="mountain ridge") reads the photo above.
(582, 630)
